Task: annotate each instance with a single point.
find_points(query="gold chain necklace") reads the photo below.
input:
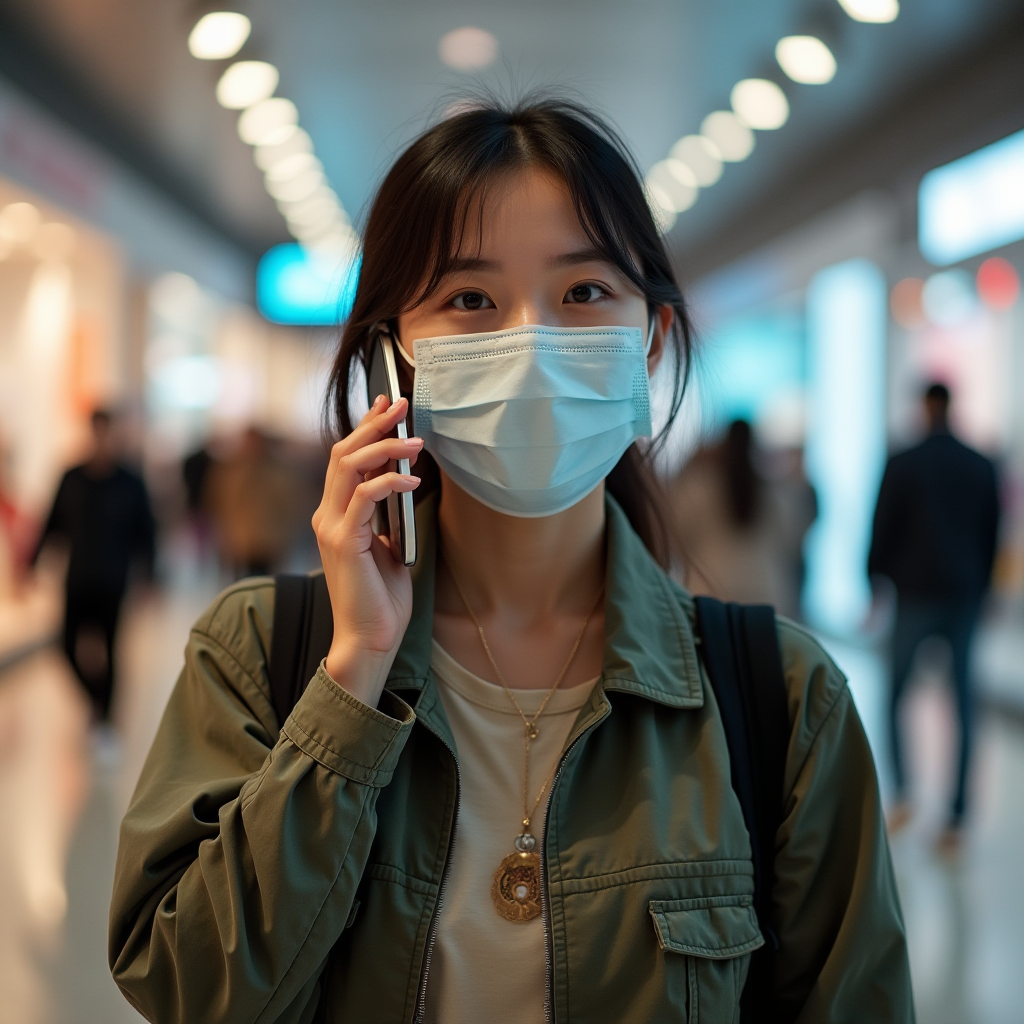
(516, 887)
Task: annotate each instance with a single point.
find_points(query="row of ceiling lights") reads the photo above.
(727, 136)
(293, 175)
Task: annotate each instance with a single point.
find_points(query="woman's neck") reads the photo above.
(516, 568)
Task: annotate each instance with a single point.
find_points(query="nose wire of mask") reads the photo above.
(530, 420)
(412, 362)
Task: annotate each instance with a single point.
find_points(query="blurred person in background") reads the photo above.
(737, 534)
(252, 497)
(102, 512)
(934, 538)
(195, 475)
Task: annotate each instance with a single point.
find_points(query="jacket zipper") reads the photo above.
(421, 1002)
(545, 911)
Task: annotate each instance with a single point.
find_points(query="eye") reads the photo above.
(472, 301)
(584, 293)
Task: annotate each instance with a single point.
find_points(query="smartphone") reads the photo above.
(382, 379)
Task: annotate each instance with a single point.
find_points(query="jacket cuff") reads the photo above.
(346, 735)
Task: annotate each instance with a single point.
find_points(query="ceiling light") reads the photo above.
(259, 125)
(998, 283)
(735, 141)
(905, 303)
(246, 82)
(674, 180)
(760, 103)
(315, 205)
(268, 155)
(297, 188)
(218, 35)
(467, 49)
(701, 156)
(879, 11)
(319, 229)
(19, 222)
(806, 59)
(324, 194)
(948, 298)
(54, 241)
(292, 166)
(312, 213)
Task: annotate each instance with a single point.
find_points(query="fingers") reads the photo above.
(380, 419)
(369, 461)
(374, 427)
(369, 492)
(376, 424)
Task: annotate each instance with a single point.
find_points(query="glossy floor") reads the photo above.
(63, 790)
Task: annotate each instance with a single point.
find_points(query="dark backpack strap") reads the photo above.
(743, 662)
(300, 639)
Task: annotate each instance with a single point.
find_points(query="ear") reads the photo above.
(662, 325)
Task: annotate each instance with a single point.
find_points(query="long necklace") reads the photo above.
(516, 887)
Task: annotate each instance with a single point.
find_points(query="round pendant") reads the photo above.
(516, 888)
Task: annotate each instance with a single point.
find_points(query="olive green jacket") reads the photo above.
(266, 870)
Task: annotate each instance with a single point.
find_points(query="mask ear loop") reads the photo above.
(650, 339)
(400, 348)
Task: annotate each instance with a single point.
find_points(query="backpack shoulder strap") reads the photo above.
(300, 637)
(742, 658)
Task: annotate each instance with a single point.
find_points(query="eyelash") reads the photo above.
(603, 293)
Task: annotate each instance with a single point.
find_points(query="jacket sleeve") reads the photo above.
(241, 851)
(843, 954)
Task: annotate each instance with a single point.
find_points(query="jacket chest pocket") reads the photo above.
(707, 943)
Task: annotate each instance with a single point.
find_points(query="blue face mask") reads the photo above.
(530, 420)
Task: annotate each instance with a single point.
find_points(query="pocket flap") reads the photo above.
(712, 926)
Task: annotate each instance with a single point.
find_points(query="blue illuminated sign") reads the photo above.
(295, 285)
(974, 204)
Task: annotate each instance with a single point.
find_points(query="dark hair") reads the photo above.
(937, 393)
(416, 225)
(742, 483)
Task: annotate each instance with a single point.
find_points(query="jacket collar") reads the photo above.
(649, 644)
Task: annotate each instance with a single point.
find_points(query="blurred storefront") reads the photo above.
(109, 296)
(824, 339)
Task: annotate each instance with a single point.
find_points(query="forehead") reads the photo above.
(525, 210)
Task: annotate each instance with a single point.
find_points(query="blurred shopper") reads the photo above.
(935, 539)
(195, 475)
(533, 685)
(102, 512)
(252, 495)
(738, 535)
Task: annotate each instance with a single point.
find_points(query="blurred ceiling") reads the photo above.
(366, 77)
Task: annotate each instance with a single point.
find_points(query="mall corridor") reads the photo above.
(512, 318)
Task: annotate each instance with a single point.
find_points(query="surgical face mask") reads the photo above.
(530, 420)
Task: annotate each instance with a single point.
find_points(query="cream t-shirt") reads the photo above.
(485, 968)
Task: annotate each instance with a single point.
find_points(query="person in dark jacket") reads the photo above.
(935, 539)
(102, 511)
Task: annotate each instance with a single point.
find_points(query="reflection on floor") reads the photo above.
(62, 792)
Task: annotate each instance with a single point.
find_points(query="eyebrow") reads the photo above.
(463, 263)
(591, 254)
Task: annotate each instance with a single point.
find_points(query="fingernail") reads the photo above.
(414, 442)
(413, 480)
(380, 401)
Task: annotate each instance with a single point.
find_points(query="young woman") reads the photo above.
(505, 795)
